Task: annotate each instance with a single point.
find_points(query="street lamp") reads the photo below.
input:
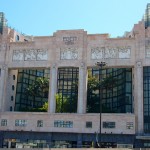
(100, 65)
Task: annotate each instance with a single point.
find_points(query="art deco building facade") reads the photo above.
(65, 62)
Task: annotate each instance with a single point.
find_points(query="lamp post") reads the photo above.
(100, 65)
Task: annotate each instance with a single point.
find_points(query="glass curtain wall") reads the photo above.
(116, 98)
(146, 94)
(67, 94)
(28, 79)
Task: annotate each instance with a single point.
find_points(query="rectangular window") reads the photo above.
(21, 123)
(14, 77)
(3, 122)
(17, 38)
(109, 124)
(12, 98)
(11, 108)
(63, 124)
(13, 87)
(40, 123)
(129, 125)
(67, 90)
(88, 124)
(147, 145)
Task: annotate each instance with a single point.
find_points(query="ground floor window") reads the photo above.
(64, 144)
(146, 144)
(17, 143)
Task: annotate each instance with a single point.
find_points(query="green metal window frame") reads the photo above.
(146, 98)
(68, 86)
(25, 78)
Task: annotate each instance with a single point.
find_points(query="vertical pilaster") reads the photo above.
(3, 81)
(82, 89)
(138, 95)
(52, 89)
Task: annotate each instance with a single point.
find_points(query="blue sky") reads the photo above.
(43, 17)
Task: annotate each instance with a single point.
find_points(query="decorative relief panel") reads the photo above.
(42, 55)
(107, 52)
(69, 53)
(110, 53)
(97, 53)
(18, 55)
(28, 55)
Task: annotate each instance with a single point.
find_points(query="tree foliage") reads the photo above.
(65, 104)
(96, 86)
(39, 88)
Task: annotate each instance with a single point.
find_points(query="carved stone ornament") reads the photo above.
(107, 52)
(110, 53)
(4, 67)
(18, 55)
(29, 55)
(124, 52)
(69, 53)
(139, 64)
(42, 55)
(82, 65)
(69, 40)
(54, 66)
(97, 52)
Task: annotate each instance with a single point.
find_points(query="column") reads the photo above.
(3, 82)
(138, 96)
(82, 89)
(52, 89)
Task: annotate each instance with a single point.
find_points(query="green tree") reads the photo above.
(39, 88)
(96, 86)
(63, 104)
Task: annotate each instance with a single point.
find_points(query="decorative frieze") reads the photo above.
(69, 53)
(28, 55)
(97, 52)
(42, 55)
(18, 55)
(107, 52)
